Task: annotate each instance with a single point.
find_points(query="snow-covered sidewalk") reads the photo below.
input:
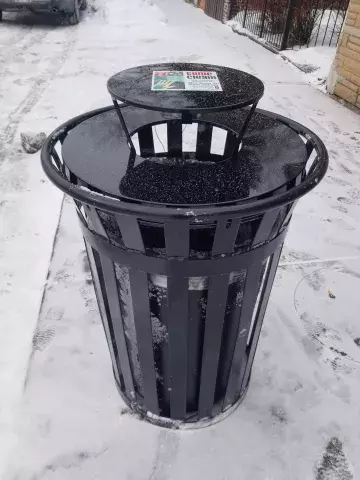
(69, 423)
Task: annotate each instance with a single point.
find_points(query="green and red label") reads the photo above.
(185, 80)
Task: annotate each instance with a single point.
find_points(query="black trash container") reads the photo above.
(183, 244)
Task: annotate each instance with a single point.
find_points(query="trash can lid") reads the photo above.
(185, 87)
(97, 152)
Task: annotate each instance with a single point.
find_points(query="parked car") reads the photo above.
(69, 8)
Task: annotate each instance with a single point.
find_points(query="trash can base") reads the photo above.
(190, 424)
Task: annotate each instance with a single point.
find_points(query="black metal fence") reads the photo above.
(290, 23)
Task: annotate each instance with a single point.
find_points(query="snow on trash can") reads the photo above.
(184, 198)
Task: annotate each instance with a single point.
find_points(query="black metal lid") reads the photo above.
(237, 89)
(97, 152)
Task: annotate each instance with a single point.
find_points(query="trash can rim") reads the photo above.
(203, 177)
(240, 208)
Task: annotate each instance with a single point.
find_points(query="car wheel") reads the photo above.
(0, 15)
(74, 18)
(84, 5)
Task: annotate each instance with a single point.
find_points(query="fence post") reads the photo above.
(263, 19)
(226, 11)
(245, 13)
(288, 25)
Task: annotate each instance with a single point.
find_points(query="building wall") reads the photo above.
(201, 4)
(344, 78)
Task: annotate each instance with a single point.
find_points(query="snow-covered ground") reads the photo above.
(314, 63)
(315, 59)
(60, 414)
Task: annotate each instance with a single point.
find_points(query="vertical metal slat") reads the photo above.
(112, 295)
(130, 232)
(78, 207)
(229, 145)
(225, 236)
(215, 312)
(146, 141)
(195, 329)
(94, 221)
(177, 240)
(141, 308)
(177, 237)
(117, 321)
(177, 293)
(264, 230)
(265, 294)
(174, 135)
(59, 164)
(100, 295)
(291, 206)
(252, 283)
(203, 141)
(309, 148)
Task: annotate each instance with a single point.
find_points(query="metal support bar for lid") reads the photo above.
(243, 129)
(123, 124)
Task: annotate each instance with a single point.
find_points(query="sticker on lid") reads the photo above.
(185, 80)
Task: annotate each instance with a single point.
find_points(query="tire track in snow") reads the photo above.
(33, 40)
(22, 49)
(22, 41)
(8, 134)
(19, 35)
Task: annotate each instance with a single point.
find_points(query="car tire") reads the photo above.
(84, 5)
(0, 15)
(74, 18)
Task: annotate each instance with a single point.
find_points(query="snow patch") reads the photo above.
(314, 63)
